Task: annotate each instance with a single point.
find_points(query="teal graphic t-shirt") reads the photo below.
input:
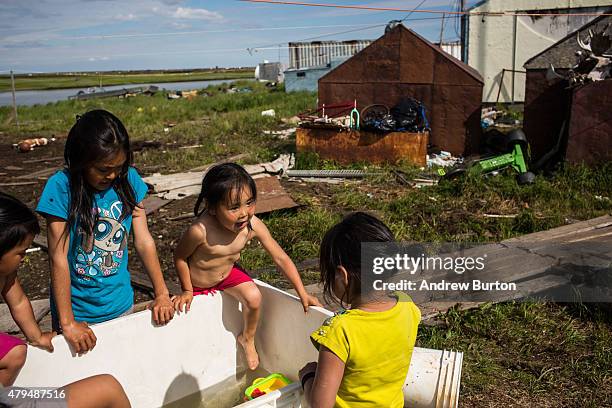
(99, 277)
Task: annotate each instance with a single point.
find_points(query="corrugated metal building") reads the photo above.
(321, 53)
(581, 116)
(403, 64)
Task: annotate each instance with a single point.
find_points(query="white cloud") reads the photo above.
(188, 13)
(125, 17)
(180, 26)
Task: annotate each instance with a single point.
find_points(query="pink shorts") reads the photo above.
(236, 276)
(7, 343)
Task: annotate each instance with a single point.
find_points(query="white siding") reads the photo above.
(496, 43)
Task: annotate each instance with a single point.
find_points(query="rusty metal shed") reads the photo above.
(403, 64)
(554, 111)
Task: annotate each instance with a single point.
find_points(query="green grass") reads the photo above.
(538, 354)
(91, 79)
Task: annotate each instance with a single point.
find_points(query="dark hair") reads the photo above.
(96, 135)
(341, 246)
(17, 221)
(219, 182)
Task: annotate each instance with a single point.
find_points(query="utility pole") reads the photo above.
(14, 101)
(442, 29)
(463, 32)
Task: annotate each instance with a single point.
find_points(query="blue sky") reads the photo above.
(92, 35)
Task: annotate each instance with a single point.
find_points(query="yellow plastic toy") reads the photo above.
(263, 386)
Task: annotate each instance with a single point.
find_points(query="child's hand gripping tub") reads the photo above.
(263, 386)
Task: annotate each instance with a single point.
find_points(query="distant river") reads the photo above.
(29, 98)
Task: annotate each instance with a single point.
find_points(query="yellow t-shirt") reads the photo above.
(376, 348)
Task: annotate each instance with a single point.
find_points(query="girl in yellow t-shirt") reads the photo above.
(365, 351)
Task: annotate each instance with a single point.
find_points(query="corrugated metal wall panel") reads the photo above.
(453, 49)
(320, 53)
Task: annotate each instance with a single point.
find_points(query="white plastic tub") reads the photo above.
(196, 356)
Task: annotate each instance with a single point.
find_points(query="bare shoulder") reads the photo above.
(197, 229)
(257, 227)
(6, 280)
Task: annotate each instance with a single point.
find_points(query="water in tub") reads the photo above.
(226, 394)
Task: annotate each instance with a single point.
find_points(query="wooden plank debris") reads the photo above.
(180, 185)
(534, 267)
(153, 203)
(43, 160)
(17, 184)
(272, 196)
(41, 174)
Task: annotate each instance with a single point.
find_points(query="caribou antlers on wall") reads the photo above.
(593, 62)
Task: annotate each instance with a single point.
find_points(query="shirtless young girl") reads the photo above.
(206, 254)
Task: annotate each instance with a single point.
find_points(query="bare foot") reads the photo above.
(249, 349)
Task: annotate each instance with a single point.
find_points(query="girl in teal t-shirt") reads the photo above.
(91, 207)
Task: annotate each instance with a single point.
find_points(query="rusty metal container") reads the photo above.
(360, 146)
(590, 132)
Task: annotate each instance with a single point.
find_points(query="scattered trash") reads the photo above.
(336, 116)
(409, 115)
(294, 120)
(182, 94)
(442, 159)
(29, 144)
(269, 112)
(280, 134)
(232, 89)
(191, 147)
(13, 168)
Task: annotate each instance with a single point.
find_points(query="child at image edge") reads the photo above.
(91, 206)
(18, 227)
(365, 351)
(207, 252)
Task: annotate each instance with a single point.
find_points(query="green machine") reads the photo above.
(516, 158)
